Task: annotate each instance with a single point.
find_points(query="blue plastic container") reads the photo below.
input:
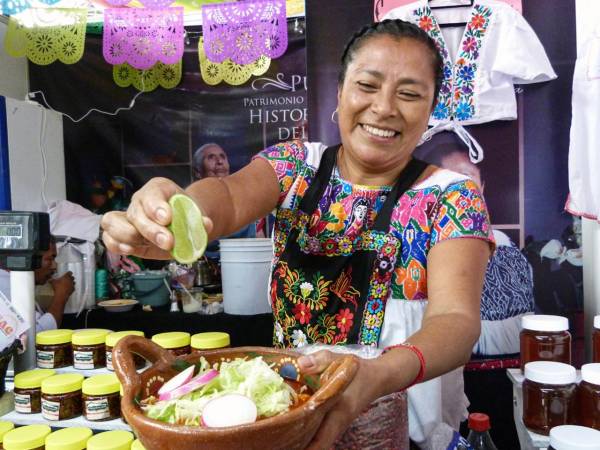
(150, 287)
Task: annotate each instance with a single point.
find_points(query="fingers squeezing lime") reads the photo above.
(188, 230)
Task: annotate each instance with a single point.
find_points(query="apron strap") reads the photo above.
(320, 181)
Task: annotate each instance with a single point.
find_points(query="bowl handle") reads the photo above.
(125, 365)
(338, 375)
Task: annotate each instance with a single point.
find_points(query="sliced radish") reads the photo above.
(195, 383)
(229, 410)
(178, 380)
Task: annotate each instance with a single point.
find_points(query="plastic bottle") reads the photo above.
(479, 436)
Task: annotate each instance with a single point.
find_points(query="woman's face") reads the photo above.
(215, 162)
(360, 213)
(385, 101)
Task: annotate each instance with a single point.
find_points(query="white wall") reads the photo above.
(13, 71)
(26, 162)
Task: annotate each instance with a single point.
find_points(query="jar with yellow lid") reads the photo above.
(101, 398)
(89, 349)
(28, 390)
(5, 427)
(61, 396)
(53, 349)
(137, 445)
(30, 437)
(177, 342)
(68, 439)
(111, 440)
(111, 341)
(210, 340)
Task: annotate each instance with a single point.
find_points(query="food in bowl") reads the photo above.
(228, 393)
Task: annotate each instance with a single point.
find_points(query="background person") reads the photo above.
(421, 289)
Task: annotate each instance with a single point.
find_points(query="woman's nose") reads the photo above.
(384, 104)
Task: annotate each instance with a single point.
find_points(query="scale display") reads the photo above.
(11, 231)
(24, 236)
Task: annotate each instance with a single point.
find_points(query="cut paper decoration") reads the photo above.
(228, 71)
(154, 4)
(45, 35)
(143, 37)
(243, 31)
(11, 7)
(165, 75)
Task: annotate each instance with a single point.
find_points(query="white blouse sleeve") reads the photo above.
(519, 52)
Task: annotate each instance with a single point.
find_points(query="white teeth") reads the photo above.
(378, 131)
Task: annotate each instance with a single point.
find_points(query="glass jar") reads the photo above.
(5, 427)
(101, 398)
(210, 340)
(30, 437)
(191, 299)
(28, 390)
(137, 445)
(111, 341)
(68, 439)
(177, 342)
(61, 396)
(588, 396)
(596, 340)
(573, 437)
(53, 349)
(111, 440)
(89, 349)
(545, 338)
(548, 395)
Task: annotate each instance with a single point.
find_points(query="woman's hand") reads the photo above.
(362, 391)
(142, 230)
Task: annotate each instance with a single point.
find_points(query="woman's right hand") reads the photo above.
(142, 229)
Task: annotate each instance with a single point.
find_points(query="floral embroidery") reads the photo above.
(456, 97)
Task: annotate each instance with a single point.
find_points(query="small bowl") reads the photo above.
(119, 305)
(292, 430)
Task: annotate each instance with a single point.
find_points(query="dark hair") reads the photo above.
(399, 29)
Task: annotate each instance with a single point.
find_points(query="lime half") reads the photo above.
(188, 230)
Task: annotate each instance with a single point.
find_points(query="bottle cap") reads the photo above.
(544, 323)
(479, 422)
(549, 372)
(589, 373)
(573, 437)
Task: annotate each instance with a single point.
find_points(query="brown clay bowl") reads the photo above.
(288, 431)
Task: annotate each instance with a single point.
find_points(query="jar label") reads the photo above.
(96, 409)
(45, 359)
(23, 403)
(109, 364)
(83, 360)
(50, 410)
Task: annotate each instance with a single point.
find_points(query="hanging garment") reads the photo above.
(584, 155)
(482, 61)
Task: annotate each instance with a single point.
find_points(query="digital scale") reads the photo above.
(24, 237)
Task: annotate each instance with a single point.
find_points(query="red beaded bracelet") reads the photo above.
(417, 352)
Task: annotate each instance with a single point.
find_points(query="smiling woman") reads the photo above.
(372, 246)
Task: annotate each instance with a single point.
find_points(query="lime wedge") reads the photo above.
(188, 230)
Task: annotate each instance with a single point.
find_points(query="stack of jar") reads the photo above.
(552, 395)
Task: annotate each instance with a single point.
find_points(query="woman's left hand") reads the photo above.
(357, 397)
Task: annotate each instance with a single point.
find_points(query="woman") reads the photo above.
(390, 76)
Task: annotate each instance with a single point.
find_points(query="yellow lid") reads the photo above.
(137, 445)
(113, 338)
(174, 339)
(5, 427)
(90, 337)
(32, 379)
(53, 337)
(101, 384)
(68, 439)
(212, 339)
(62, 384)
(111, 440)
(26, 438)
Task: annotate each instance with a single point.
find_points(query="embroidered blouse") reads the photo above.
(446, 205)
(496, 50)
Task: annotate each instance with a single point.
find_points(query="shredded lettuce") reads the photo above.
(253, 378)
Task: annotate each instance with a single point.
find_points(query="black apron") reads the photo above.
(337, 294)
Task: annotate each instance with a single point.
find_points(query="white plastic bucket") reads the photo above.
(245, 270)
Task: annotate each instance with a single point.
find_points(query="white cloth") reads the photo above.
(483, 61)
(43, 320)
(73, 220)
(584, 155)
(499, 337)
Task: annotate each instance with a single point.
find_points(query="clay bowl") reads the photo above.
(288, 431)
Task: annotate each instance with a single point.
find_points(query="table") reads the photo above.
(243, 330)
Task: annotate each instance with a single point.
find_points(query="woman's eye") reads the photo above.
(409, 95)
(364, 85)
